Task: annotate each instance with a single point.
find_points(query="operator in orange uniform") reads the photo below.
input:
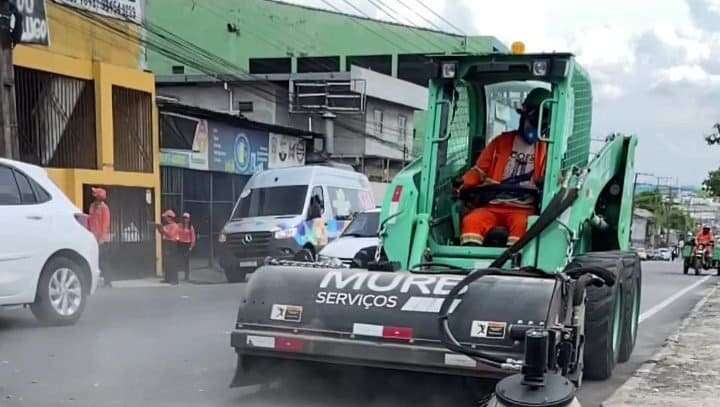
(515, 161)
(98, 222)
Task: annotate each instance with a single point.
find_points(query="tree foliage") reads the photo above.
(712, 182)
(667, 216)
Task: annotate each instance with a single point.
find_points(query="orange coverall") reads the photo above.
(500, 160)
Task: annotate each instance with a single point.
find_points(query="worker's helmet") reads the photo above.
(169, 214)
(535, 98)
(706, 228)
(530, 115)
(186, 215)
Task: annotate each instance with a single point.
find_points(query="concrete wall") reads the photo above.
(391, 142)
(350, 130)
(269, 102)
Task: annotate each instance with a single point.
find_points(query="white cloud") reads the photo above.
(693, 74)
(608, 91)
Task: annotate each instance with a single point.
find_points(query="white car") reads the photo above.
(664, 254)
(362, 232)
(48, 257)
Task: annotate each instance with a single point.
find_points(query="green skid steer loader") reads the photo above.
(560, 304)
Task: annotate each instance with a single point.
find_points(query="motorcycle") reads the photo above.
(702, 257)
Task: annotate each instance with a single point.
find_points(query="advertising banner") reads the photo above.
(131, 10)
(286, 151)
(237, 151)
(35, 24)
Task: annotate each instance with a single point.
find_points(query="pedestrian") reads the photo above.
(169, 232)
(186, 242)
(99, 225)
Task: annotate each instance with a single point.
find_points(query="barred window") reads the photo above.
(132, 130)
(56, 119)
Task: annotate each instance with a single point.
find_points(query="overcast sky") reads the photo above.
(655, 64)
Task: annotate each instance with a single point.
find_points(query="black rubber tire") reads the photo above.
(42, 309)
(697, 265)
(686, 266)
(632, 287)
(235, 275)
(599, 358)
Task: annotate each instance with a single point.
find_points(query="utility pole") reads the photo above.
(10, 33)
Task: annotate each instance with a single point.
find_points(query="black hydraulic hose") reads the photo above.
(446, 335)
(557, 206)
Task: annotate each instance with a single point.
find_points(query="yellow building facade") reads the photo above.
(82, 49)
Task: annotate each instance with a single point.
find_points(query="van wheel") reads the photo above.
(61, 293)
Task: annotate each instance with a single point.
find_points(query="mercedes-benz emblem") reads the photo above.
(247, 238)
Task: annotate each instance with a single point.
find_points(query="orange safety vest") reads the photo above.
(170, 231)
(186, 235)
(98, 221)
(494, 158)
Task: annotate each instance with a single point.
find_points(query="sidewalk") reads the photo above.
(199, 275)
(686, 371)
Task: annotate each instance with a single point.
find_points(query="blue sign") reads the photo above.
(237, 151)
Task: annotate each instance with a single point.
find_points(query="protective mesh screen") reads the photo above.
(578, 149)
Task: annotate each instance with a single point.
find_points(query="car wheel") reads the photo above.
(235, 275)
(61, 293)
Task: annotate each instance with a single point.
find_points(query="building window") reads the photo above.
(378, 121)
(402, 127)
(377, 63)
(56, 119)
(318, 64)
(270, 65)
(132, 130)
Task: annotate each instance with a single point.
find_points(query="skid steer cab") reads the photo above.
(539, 301)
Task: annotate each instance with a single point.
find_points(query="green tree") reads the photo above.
(666, 215)
(712, 183)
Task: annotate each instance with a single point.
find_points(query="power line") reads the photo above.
(359, 23)
(384, 6)
(441, 18)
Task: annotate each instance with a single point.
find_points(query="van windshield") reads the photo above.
(272, 201)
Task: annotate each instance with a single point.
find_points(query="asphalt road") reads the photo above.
(169, 346)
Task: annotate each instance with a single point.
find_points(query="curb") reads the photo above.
(618, 398)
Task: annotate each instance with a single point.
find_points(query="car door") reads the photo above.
(22, 235)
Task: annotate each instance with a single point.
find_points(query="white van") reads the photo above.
(290, 212)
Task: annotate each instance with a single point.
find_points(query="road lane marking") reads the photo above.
(657, 308)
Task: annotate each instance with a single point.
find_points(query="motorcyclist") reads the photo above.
(705, 238)
(515, 159)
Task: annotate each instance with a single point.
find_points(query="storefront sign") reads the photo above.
(286, 151)
(237, 151)
(131, 10)
(175, 158)
(35, 24)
